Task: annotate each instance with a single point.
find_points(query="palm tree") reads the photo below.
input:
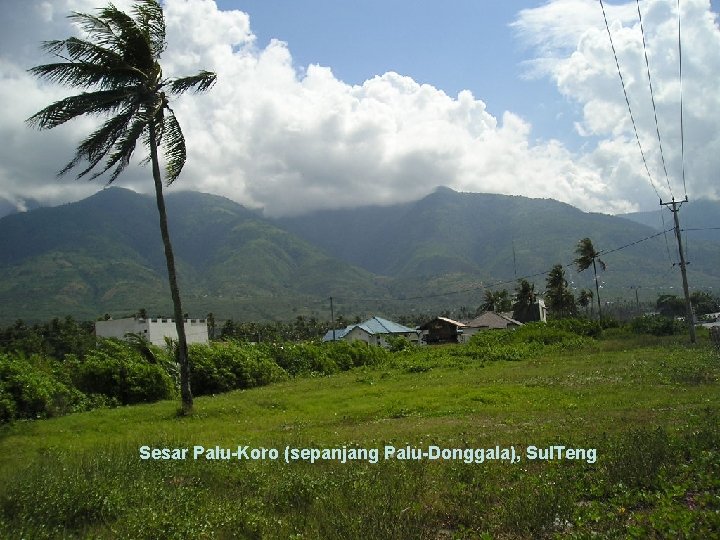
(559, 297)
(585, 298)
(587, 256)
(496, 301)
(524, 299)
(118, 65)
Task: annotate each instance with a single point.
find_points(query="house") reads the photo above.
(489, 320)
(374, 331)
(442, 330)
(154, 330)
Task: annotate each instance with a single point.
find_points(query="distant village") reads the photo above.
(373, 331)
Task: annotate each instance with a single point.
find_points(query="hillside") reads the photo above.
(495, 238)
(702, 217)
(104, 255)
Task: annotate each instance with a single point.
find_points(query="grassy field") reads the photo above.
(649, 407)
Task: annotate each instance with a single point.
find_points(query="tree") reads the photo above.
(585, 298)
(587, 256)
(118, 65)
(496, 301)
(703, 302)
(670, 305)
(524, 301)
(560, 299)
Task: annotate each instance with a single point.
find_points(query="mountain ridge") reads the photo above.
(104, 255)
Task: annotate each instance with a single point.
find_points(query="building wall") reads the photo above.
(440, 331)
(358, 334)
(155, 330)
(117, 328)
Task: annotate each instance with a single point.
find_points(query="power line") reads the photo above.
(627, 100)
(498, 283)
(605, 252)
(652, 97)
(682, 127)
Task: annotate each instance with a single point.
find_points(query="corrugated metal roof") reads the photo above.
(458, 324)
(490, 319)
(339, 333)
(376, 325)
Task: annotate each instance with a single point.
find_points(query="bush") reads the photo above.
(348, 355)
(302, 358)
(530, 339)
(118, 371)
(224, 366)
(399, 343)
(28, 389)
(582, 327)
(657, 325)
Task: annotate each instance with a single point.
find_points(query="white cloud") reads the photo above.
(273, 135)
(579, 59)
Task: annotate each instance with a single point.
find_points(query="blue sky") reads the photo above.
(458, 45)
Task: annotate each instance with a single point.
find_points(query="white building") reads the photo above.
(154, 330)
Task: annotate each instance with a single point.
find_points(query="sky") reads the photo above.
(326, 104)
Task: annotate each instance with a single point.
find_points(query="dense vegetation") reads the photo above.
(60, 367)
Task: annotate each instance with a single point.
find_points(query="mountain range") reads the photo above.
(104, 255)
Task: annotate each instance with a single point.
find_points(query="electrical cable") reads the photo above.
(498, 283)
(627, 100)
(652, 98)
(682, 126)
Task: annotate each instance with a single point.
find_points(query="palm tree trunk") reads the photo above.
(597, 290)
(182, 350)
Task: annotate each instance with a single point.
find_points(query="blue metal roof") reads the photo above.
(373, 326)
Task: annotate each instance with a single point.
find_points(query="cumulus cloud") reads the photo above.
(289, 139)
(572, 47)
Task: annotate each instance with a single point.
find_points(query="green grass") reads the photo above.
(649, 406)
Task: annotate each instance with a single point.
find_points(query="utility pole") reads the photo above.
(637, 299)
(688, 306)
(332, 317)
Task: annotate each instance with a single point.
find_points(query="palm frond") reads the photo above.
(586, 254)
(123, 149)
(102, 101)
(98, 30)
(198, 83)
(93, 55)
(96, 146)
(88, 74)
(149, 15)
(174, 147)
(117, 31)
(135, 46)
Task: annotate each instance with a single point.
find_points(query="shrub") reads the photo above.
(302, 358)
(348, 355)
(224, 366)
(657, 325)
(582, 327)
(399, 343)
(118, 371)
(28, 389)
